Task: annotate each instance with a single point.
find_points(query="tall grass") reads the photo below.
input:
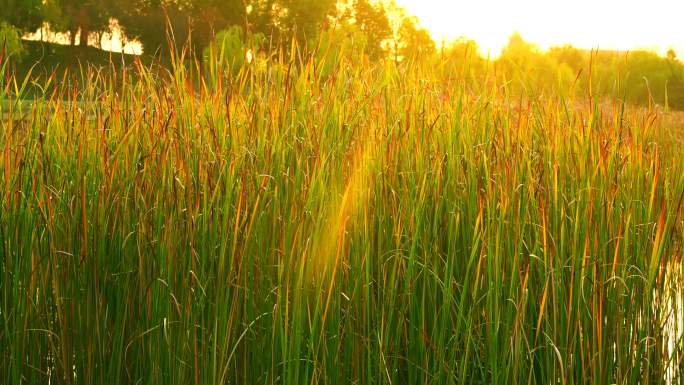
(317, 219)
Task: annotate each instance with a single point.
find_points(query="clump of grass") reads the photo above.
(377, 223)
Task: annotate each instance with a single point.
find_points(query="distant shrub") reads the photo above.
(231, 50)
(10, 41)
(340, 46)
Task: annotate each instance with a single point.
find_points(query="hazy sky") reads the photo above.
(609, 24)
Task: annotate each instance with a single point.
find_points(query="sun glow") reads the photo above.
(604, 24)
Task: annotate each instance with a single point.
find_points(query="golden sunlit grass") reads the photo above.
(320, 218)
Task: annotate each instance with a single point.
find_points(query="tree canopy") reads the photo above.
(80, 18)
(361, 29)
(194, 23)
(25, 15)
(188, 21)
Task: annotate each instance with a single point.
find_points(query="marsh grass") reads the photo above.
(318, 219)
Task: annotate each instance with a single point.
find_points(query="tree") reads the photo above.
(25, 15)
(415, 41)
(261, 16)
(305, 18)
(231, 49)
(570, 56)
(190, 21)
(671, 55)
(528, 67)
(462, 49)
(284, 19)
(675, 83)
(10, 42)
(373, 22)
(463, 55)
(518, 51)
(646, 78)
(79, 18)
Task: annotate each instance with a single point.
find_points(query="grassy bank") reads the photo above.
(334, 221)
(49, 57)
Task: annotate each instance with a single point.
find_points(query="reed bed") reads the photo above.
(323, 219)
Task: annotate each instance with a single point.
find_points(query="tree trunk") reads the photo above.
(83, 23)
(72, 36)
(83, 38)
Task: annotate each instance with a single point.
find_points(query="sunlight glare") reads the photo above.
(604, 24)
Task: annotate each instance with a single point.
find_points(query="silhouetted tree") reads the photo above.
(304, 18)
(79, 18)
(463, 55)
(10, 42)
(261, 16)
(190, 21)
(25, 15)
(528, 67)
(573, 57)
(372, 20)
(415, 41)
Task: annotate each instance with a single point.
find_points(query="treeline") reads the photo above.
(195, 23)
(636, 77)
(231, 33)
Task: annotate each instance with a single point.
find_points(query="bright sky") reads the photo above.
(606, 24)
